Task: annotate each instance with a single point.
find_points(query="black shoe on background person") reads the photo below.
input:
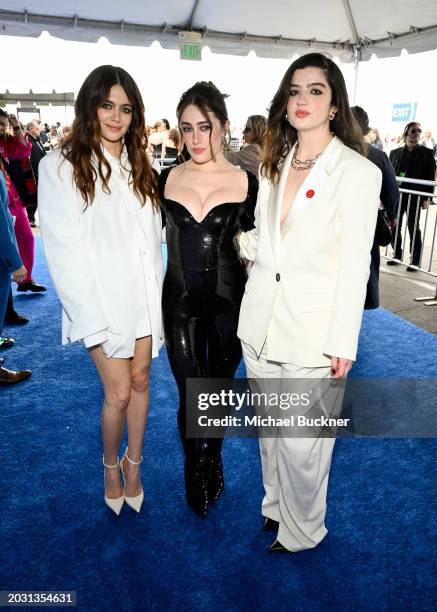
(6, 343)
(13, 318)
(11, 377)
(31, 286)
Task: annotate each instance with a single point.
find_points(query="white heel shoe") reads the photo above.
(116, 504)
(134, 502)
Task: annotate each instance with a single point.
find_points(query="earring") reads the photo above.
(331, 115)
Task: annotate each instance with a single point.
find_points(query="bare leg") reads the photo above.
(116, 379)
(137, 412)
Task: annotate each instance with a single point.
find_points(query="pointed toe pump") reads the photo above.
(115, 504)
(137, 501)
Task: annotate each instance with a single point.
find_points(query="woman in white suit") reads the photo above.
(101, 231)
(301, 313)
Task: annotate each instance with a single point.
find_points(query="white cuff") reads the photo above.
(95, 339)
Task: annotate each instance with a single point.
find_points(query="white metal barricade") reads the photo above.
(421, 225)
(165, 161)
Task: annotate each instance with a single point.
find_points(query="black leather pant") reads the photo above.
(201, 309)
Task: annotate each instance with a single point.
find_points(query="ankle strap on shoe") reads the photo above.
(109, 467)
(130, 460)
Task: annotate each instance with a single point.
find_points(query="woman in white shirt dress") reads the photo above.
(101, 232)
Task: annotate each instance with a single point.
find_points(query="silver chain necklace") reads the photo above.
(306, 164)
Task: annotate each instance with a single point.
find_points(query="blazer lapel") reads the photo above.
(307, 196)
(275, 204)
(311, 189)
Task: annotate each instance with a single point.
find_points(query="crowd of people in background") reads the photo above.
(23, 146)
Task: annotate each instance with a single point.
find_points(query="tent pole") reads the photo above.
(357, 57)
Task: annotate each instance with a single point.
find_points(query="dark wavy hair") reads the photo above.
(82, 148)
(281, 136)
(207, 97)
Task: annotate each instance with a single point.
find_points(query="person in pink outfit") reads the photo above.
(16, 146)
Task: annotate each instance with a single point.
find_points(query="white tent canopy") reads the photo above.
(349, 29)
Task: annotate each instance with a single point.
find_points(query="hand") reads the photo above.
(340, 367)
(13, 121)
(424, 204)
(20, 274)
(393, 223)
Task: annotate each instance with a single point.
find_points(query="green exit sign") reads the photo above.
(191, 51)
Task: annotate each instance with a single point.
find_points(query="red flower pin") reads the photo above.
(310, 193)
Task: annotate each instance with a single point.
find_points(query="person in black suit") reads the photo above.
(414, 161)
(389, 197)
(38, 152)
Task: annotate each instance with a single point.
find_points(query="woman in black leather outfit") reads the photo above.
(207, 201)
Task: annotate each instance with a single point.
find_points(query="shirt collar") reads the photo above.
(123, 160)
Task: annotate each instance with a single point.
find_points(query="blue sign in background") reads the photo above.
(404, 112)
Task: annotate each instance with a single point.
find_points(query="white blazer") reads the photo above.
(101, 258)
(306, 290)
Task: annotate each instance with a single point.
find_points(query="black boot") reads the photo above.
(216, 481)
(196, 491)
(195, 470)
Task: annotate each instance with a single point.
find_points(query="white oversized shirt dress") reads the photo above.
(105, 260)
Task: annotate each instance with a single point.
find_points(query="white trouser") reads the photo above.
(295, 470)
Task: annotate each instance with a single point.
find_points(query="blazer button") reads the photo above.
(278, 277)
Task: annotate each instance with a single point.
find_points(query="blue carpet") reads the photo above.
(56, 533)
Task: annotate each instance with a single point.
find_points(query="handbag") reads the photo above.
(383, 232)
(23, 179)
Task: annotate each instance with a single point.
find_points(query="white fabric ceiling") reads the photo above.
(272, 28)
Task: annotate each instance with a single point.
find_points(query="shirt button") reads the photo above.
(278, 277)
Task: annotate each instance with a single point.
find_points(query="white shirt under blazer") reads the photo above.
(105, 260)
(306, 290)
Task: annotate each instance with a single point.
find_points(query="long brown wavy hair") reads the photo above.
(82, 148)
(281, 135)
